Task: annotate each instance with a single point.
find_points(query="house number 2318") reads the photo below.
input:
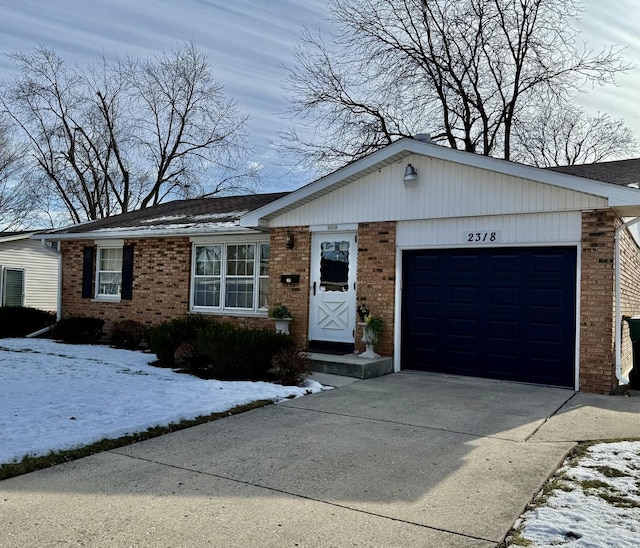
(488, 236)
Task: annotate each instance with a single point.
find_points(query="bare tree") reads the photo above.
(15, 203)
(567, 136)
(126, 134)
(465, 70)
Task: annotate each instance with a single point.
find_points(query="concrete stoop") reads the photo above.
(350, 365)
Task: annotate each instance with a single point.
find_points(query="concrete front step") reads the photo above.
(350, 365)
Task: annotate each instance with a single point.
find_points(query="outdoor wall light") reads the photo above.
(290, 241)
(410, 178)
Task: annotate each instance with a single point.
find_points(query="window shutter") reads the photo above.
(87, 272)
(127, 272)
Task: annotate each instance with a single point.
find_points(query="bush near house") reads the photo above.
(78, 330)
(291, 366)
(212, 349)
(166, 337)
(127, 334)
(20, 321)
(238, 353)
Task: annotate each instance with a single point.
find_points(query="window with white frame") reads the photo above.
(231, 276)
(12, 287)
(109, 272)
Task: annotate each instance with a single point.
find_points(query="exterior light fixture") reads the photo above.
(410, 178)
(290, 241)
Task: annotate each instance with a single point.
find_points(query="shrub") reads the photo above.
(291, 366)
(20, 321)
(165, 338)
(78, 329)
(127, 334)
(238, 353)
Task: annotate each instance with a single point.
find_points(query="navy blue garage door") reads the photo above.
(503, 313)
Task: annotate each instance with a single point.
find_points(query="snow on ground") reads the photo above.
(597, 504)
(57, 396)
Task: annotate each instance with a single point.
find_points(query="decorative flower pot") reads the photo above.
(369, 338)
(282, 325)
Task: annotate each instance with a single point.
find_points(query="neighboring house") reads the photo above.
(477, 266)
(28, 272)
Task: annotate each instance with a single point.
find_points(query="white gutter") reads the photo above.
(618, 317)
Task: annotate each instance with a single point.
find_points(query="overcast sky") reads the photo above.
(247, 42)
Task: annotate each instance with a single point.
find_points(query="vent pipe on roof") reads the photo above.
(424, 137)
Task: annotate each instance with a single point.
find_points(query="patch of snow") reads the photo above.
(598, 505)
(57, 396)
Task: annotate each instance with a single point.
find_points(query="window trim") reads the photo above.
(99, 248)
(3, 283)
(222, 308)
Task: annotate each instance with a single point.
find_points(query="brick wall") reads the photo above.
(629, 292)
(161, 283)
(597, 356)
(377, 278)
(292, 261)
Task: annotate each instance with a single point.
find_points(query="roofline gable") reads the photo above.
(617, 196)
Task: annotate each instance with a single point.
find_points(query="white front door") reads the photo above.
(332, 316)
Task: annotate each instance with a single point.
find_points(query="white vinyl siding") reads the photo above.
(230, 277)
(444, 190)
(537, 228)
(40, 266)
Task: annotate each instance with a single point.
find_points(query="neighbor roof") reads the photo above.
(620, 172)
(198, 215)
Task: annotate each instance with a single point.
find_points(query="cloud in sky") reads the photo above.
(247, 42)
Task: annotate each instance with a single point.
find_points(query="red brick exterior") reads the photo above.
(161, 284)
(629, 291)
(292, 261)
(597, 299)
(377, 278)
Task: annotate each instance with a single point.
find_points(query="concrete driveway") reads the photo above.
(402, 460)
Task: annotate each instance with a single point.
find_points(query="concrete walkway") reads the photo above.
(403, 460)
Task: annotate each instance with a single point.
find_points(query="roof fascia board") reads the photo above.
(617, 195)
(14, 237)
(138, 234)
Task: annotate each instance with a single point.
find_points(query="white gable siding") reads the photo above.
(40, 271)
(537, 228)
(443, 190)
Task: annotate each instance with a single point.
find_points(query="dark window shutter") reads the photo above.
(87, 272)
(127, 272)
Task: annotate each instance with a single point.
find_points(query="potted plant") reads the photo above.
(280, 313)
(371, 331)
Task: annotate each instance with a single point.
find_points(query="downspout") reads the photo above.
(618, 317)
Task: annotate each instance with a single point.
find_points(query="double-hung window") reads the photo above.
(109, 272)
(231, 277)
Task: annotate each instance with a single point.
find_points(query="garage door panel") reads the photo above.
(424, 327)
(426, 294)
(500, 313)
(463, 295)
(546, 333)
(502, 331)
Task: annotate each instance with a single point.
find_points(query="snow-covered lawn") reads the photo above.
(595, 502)
(58, 396)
